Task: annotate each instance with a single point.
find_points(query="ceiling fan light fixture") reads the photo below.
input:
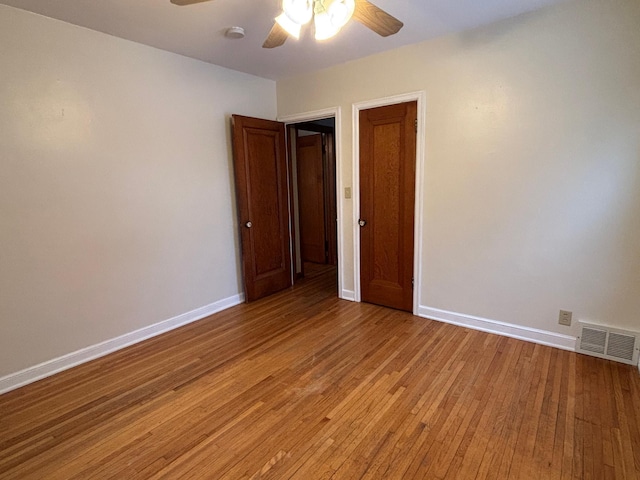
(340, 11)
(325, 28)
(291, 27)
(298, 11)
(330, 17)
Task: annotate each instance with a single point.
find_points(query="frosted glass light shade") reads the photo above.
(298, 11)
(330, 16)
(291, 27)
(325, 29)
(340, 11)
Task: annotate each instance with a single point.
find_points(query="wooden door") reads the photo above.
(387, 202)
(263, 211)
(311, 198)
(330, 204)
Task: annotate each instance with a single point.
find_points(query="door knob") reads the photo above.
(248, 224)
(362, 223)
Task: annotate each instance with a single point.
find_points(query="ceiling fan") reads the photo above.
(329, 16)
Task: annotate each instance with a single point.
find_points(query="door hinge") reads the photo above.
(416, 125)
(412, 282)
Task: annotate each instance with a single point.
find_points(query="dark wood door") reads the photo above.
(330, 204)
(263, 211)
(311, 201)
(387, 202)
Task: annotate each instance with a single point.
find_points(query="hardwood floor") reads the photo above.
(303, 385)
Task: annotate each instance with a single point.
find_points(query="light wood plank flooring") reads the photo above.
(303, 385)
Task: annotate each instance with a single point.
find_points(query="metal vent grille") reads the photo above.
(609, 343)
(621, 346)
(593, 340)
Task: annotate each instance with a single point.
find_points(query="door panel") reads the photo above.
(387, 203)
(330, 203)
(311, 198)
(261, 189)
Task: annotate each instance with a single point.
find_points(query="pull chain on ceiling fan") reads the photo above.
(329, 16)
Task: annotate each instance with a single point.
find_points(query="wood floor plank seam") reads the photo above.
(304, 385)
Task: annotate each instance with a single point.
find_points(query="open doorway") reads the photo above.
(267, 191)
(312, 153)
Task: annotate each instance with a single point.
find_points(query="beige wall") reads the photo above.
(116, 201)
(532, 173)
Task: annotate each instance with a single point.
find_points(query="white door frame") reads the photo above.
(334, 112)
(420, 97)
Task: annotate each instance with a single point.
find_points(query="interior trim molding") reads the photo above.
(543, 337)
(65, 362)
(421, 98)
(348, 295)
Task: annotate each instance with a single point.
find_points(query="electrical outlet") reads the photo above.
(565, 318)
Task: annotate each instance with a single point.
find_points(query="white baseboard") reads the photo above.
(348, 295)
(51, 367)
(543, 337)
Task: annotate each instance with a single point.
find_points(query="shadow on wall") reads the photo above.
(478, 37)
(629, 241)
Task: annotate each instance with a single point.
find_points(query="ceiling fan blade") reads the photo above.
(187, 2)
(376, 19)
(277, 36)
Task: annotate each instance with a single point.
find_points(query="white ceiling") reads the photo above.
(198, 30)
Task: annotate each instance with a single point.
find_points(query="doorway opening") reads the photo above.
(313, 198)
(269, 212)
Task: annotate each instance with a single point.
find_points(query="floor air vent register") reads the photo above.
(610, 343)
